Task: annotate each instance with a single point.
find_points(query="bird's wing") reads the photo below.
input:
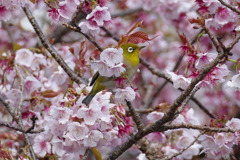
(94, 78)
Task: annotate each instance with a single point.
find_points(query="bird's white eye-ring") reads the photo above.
(130, 49)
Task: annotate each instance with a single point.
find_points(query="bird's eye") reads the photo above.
(130, 49)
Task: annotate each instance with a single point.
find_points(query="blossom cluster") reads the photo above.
(96, 19)
(33, 83)
(69, 126)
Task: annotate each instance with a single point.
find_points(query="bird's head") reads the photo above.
(131, 49)
(131, 54)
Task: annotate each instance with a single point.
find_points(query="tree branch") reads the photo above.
(136, 117)
(74, 77)
(202, 128)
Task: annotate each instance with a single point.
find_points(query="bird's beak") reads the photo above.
(141, 47)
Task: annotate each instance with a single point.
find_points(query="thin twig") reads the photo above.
(6, 105)
(19, 122)
(202, 128)
(182, 150)
(231, 45)
(10, 126)
(153, 69)
(136, 117)
(18, 112)
(127, 13)
(20, 130)
(33, 119)
(184, 103)
(7, 27)
(109, 34)
(214, 41)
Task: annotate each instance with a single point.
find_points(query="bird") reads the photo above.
(131, 61)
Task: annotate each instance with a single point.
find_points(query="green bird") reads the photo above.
(130, 60)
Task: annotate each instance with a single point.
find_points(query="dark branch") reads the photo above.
(50, 48)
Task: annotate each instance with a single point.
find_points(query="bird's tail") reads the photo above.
(88, 99)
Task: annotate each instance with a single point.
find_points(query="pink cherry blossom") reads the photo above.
(40, 146)
(117, 70)
(76, 131)
(212, 5)
(66, 9)
(112, 56)
(105, 70)
(207, 142)
(211, 23)
(154, 116)
(234, 81)
(99, 15)
(13, 96)
(53, 14)
(223, 16)
(191, 151)
(57, 146)
(157, 136)
(179, 81)
(169, 151)
(31, 84)
(124, 94)
(62, 115)
(24, 57)
(90, 115)
(110, 63)
(59, 77)
(219, 139)
(38, 59)
(234, 123)
(92, 138)
(5, 14)
(204, 59)
(90, 27)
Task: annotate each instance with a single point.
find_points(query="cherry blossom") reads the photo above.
(40, 146)
(92, 138)
(127, 94)
(31, 84)
(4, 13)
(234, 81)
(234, 123)
(76, 131)
(66, 8)
(99, 15)
(110, 63)
(112, 56)
(60, 114)
(24, 57)
(53, 15)
(90, 115)
(90, 27)
(34, 84)
(179, 81)
(204, 59)
(223, 16)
